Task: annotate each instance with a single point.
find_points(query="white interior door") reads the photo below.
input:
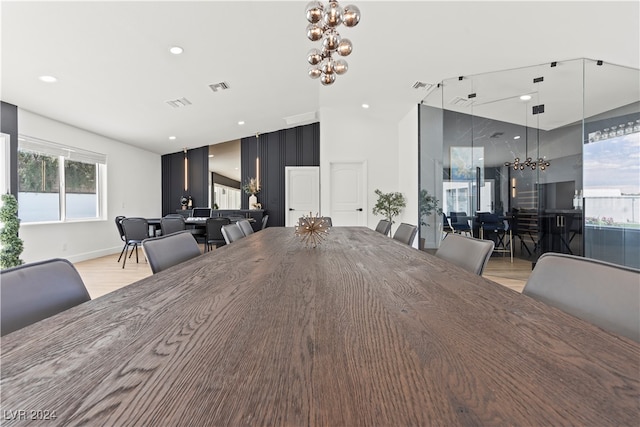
(302, 192)
(348, 194)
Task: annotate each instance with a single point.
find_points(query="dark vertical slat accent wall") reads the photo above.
(299, 146)
(9, 126)
(249, 152)
(199, 176)
(173, 179)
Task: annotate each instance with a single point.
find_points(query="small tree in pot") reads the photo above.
(389, 205)
(428, 204)
(9, 240)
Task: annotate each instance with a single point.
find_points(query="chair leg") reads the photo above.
(136, 246)
(511, 245)
(122, 251)
(124, 262)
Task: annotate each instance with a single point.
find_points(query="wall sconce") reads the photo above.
(257, 160)
(513, 188)
(186, 170)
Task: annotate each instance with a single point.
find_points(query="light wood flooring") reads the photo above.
(105, 274)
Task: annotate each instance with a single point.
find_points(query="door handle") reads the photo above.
(359, 209)
(291, 209)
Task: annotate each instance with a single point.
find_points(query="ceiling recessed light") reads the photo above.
(516, 137)
(176, 50)
(525, 97)
(365, 106)
(48, 79)
(241, 122)
(172, 137)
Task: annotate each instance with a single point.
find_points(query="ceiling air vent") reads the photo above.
(180, 102)
(219, 86)
(459, 101)
(422, 85)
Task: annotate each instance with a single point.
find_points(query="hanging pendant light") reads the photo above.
(323, 21)
(528, 162)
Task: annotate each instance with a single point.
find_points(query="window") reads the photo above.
(58, 183)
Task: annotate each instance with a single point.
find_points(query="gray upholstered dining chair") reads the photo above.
(214, 232)
(466, 252)
(383, 227)
(35, 291)
(265, 219)
(604, 294)
(168, 250)
(405, 233)
(232, 233)
(135, 231)
(245, 226)
(328, 221)
(172, 224)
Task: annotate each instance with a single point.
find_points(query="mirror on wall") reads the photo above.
(225, 175)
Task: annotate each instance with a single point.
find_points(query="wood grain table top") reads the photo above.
(361, 330)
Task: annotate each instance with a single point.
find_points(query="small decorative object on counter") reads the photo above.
(252, 187)
(312, 229)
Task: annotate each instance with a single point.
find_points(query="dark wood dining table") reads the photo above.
(361, 330)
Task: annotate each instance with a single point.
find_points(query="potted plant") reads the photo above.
(389, 205)
(428, 205)
(252, 187)
(11, 243)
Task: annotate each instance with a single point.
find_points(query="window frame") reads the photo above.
(63, 154)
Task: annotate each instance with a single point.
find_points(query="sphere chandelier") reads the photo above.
(323, 21)
(528, 162)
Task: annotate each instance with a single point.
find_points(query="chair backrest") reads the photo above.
(264, 221)
(466, 252)
(35, 291)
(490, 220)
(119, 219)
(231, 233)
(327, 220)
(135, 229)
(460, 221)
(168, 250)
(214, 228)
(605, 294)
(405, 233)
(245, 226)
(383, 227)
(172, 224)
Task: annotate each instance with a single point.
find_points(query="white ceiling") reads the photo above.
(115, 72)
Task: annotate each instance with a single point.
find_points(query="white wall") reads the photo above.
(390, 150)
(408, 167)
(134, 188)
